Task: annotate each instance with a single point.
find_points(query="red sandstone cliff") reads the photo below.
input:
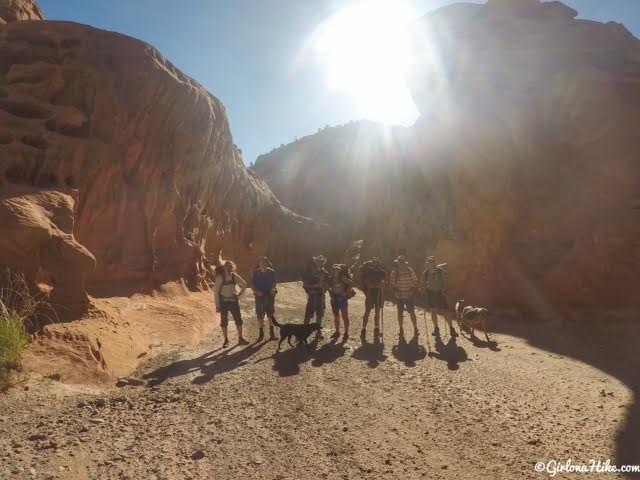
(145, 149)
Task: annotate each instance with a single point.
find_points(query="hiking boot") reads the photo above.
(272, 334)
(345, 337)
(453, 332)
(336, 334)
(363, 334)
(225, 344)
(376, 332)
(260, 335)
(242, 341)
(436, 332)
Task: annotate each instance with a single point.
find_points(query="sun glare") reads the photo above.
(365, 49)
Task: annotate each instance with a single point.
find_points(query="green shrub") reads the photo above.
(13, 340)
(20, 308)
(13, 337)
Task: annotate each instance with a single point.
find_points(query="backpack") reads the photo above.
(309, 277)
(373, 271)
(441, 270)
(344, 273)
(232, 281)
(344, 270)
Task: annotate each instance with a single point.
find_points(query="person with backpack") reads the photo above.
(434, 285)
(404, 283)
(372, 275)
(340, 290)
(263, 283)
(315, 282)
(226, 299)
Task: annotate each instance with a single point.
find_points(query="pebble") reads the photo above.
(199, 455)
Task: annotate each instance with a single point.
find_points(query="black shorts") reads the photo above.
(371, 298)
(436, 300)
(315, 305)
(265, 305)
(234, 308)
(405, 304)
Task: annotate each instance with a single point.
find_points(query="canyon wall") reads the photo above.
(362, 179)
(525, 159)
(146, 153)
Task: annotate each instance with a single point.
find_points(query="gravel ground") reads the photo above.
(446, 408)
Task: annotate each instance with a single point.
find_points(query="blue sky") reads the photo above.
(247, 53)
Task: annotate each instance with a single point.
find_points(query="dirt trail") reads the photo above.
(340, 411)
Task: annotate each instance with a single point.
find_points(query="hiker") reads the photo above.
(434, 285)
(372, 277)
(340, 290)
(226, 299)
(404, 283)
(315, 283)
(263, 284)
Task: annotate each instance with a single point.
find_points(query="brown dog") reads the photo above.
(471, 317)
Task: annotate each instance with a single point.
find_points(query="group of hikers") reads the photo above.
(339, 283)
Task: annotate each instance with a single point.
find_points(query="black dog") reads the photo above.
(300, 331)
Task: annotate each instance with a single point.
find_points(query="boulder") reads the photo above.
(37, 239)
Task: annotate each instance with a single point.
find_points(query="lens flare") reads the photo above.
(366, 51)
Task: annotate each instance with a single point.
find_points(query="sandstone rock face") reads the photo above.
(148, 149)
(16, 10)
(37, 239)
(528, 134)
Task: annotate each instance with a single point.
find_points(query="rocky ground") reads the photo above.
(424, 408)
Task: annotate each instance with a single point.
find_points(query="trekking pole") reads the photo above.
(381, 304)
(426, 330)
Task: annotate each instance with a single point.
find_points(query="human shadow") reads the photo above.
(449, 352)
(408, 352)
(181, 367)
(329, 352)
(370, 352)
(225, 362)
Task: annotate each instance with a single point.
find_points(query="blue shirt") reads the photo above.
(264, 281)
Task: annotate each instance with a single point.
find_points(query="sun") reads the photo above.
(365, 49)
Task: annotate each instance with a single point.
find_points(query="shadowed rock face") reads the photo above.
(362, 179)
(15, 10)
(525, 156)
(150, 152)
